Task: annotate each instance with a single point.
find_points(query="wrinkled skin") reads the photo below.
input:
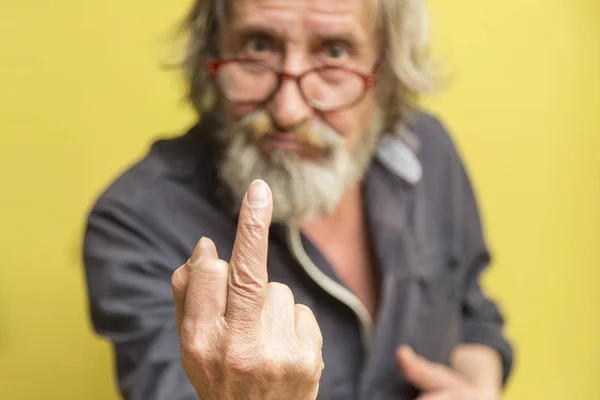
(242, 337)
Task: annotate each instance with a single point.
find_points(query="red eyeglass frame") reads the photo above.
(212, 66)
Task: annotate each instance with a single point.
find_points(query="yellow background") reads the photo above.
(82, 94)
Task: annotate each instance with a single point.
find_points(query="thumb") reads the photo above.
(422, 373)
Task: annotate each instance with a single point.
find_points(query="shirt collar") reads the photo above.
(398, 152)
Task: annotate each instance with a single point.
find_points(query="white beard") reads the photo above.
(302, 189)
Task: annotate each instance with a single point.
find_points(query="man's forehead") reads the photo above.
(321, 12)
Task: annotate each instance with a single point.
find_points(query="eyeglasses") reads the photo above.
(325, 88)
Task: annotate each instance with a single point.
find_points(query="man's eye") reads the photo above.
(258, 45)
(336, 51)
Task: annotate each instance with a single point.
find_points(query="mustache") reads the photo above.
(315, 133)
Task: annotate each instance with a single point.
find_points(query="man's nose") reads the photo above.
(288, 107)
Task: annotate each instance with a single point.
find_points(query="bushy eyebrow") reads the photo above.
(327, 34)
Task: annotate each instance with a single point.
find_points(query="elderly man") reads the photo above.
(340, 247)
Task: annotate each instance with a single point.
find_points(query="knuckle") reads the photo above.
(318, 336)
(246, 280)
(198, 350)
(283, 364)
(248, 252)
(239, 362)
(247, 257)
(309, 362)
(414, 374)
(281, 290)
(308, 321)
(191, 344)
(304, 309)
(246, 286)
(274, 366)
(179, 279)
(214, 267)
(254, 225)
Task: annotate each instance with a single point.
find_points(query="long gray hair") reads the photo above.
(404, 35)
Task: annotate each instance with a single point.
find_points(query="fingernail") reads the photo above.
(180, 276)
(258, 193)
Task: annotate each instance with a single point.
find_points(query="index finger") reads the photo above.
(248, 266)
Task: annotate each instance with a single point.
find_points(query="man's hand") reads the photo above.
(240, 336)
(438, 382)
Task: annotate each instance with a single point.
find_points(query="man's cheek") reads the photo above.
(237, 111)
(346, 123)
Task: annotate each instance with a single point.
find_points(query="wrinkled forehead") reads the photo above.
(299, 17)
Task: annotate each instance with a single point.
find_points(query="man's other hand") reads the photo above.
(437, 381)
(240, 336)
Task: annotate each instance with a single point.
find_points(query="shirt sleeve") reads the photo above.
(483, 320)
(128, 270)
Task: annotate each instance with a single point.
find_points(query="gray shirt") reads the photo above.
(425, 231)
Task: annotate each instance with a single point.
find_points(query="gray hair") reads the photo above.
(404, 36)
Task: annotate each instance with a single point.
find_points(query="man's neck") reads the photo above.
(349, 207)
(343, 238)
